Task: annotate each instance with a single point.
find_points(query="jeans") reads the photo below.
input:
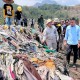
(8, 21)
(19, 22)
(75, 51)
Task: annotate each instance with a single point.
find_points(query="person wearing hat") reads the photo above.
(57, 24)
(8, 12)
(18, 15)
(50, 35)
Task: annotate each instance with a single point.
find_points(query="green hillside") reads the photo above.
(48, 11)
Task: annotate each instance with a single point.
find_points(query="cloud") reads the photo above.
(68, 2)
(32, 2)
(26, 2)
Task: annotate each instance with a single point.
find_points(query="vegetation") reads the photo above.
(48, 11)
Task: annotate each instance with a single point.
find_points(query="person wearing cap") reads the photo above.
(50, 35)
(8, 12)
(57, 24)
(18, 15)
(72, 40)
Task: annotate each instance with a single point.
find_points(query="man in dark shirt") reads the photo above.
(8, 13)
(64, 28)
(32, 23)
(18, 15)
(41, 23)
(57, 24)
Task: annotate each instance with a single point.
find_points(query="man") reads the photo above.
(72, 40)
(50, 35)
(8, 13)
(25, 21)
(64, 28)
(41, 23)
(58, 26)
(18, 15)
(59, 30)
(32, 23)
(63, 23)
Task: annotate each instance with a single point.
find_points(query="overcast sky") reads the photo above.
(26, 2)
(32, 2)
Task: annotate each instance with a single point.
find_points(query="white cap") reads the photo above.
(56, 20)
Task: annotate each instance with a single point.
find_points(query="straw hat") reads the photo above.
(48, 21)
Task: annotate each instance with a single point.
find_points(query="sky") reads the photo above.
(32, 2)
(26, 2)
(68, 2)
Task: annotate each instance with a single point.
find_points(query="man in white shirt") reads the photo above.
(50, 35)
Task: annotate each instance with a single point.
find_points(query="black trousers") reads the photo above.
(75, 51)
(79, 53)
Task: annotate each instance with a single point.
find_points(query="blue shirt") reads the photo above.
(72, 35)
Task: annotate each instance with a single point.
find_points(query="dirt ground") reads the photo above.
(75, 72)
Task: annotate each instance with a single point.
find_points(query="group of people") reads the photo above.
(68, 31)
(11, 16)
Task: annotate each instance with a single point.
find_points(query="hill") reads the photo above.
(48, 11)
(53, 10)
(45, 2)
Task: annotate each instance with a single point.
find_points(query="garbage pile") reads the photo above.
(24, 58)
